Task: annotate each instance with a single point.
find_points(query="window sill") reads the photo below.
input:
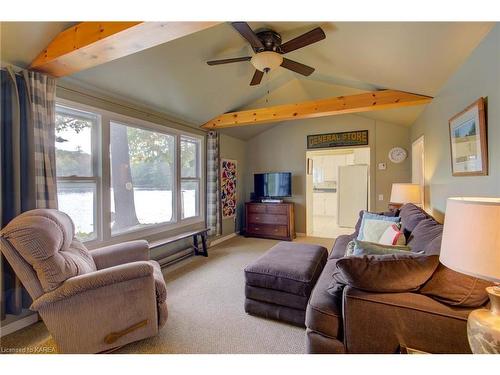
(145, 233)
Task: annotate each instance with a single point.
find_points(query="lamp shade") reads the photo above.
(471, 237)
(406, 193)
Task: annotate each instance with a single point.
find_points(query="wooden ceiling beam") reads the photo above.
(89, 44)
(366, 102)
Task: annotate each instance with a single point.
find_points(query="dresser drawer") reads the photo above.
(267, 219)
(278, 209)
(268, 230)
(257, 208)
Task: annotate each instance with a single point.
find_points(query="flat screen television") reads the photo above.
(273, 185)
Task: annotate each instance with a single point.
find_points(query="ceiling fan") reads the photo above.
(269, 50)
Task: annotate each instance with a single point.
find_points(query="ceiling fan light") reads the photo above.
(267, 60)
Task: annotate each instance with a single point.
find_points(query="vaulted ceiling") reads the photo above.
(355, 57)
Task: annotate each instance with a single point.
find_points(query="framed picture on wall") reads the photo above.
(468, 143)
(228, 187)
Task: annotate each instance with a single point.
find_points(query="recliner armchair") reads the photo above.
(90, 301)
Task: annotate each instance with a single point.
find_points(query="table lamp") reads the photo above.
(405, 193)
(471, 245)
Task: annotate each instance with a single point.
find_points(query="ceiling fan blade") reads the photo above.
(257, 77)
(228, 61)
(297, 67)
(303, 40)
(249, 35)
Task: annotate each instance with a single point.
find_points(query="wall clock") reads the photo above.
(397, 155)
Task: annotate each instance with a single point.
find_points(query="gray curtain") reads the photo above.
(27, 154)
(42, 94)
(213, 185)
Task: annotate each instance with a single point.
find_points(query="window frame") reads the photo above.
(95, 137)
(103, 191)
(197, 178)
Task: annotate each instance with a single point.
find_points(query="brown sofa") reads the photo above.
(355, 321)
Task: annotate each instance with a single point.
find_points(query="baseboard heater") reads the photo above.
(176, 257)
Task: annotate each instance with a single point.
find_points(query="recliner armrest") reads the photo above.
(94, 280)
(121, 253)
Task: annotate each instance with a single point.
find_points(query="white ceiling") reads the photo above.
(354, 57)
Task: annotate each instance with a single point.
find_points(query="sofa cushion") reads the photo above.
(290, 267)
(324, 311)
(386, 273)
(411, 215)
(423, 234)
(455, 288)
(45, 239)
(434, 247)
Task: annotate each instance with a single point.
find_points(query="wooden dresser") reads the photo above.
(270, 220)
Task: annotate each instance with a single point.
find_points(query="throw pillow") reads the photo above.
(371, 248)
(455, 288)
(373, 225)
(392, 236)
(349, 250)
(394, 273)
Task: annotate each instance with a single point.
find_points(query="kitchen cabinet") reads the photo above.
(324, 204)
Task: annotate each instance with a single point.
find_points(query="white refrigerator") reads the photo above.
(352, 193)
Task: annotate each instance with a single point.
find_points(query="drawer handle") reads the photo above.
(257, 218)
(256, 228)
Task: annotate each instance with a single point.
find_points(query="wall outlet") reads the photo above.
(381, 197)
(382, 166)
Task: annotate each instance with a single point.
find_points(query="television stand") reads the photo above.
(270, 220)
(270, 200)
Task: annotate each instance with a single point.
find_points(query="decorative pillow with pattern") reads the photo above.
(349, 250)
(392, 236)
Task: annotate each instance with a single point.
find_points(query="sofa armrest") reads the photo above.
(94, 280)
(121, 253)
(382, 322)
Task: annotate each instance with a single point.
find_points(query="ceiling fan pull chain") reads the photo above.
(267, 86)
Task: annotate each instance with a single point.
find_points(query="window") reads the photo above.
(77, 167)
(151, 182)
(190, 177)
(142, 177)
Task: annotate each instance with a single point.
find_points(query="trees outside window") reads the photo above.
(76, 168)
(142, 171)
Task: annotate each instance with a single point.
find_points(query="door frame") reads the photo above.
(309, 178)
(418, 178)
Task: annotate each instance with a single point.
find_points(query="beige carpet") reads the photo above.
(205, 300)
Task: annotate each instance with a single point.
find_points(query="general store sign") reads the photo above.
(343, 139)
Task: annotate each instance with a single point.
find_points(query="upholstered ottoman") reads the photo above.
(279, 283)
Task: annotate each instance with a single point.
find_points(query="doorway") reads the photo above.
(337, 189)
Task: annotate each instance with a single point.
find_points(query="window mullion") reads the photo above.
(105, 179)
(178, 191)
